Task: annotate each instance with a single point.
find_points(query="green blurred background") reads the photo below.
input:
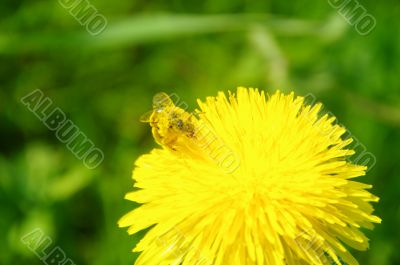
(192, 48)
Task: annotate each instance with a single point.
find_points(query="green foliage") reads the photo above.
(192, 48)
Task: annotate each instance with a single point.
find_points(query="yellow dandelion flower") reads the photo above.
(248, 180)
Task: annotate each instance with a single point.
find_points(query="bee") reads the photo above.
(169, 123)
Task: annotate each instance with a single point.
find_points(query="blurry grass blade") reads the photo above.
(67, 185)
(275, 61)
(158, 27)
(150, 28)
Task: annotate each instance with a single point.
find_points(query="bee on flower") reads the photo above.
(293, 199)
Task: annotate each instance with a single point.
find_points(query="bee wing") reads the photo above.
(161, 100)
(146, 117)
